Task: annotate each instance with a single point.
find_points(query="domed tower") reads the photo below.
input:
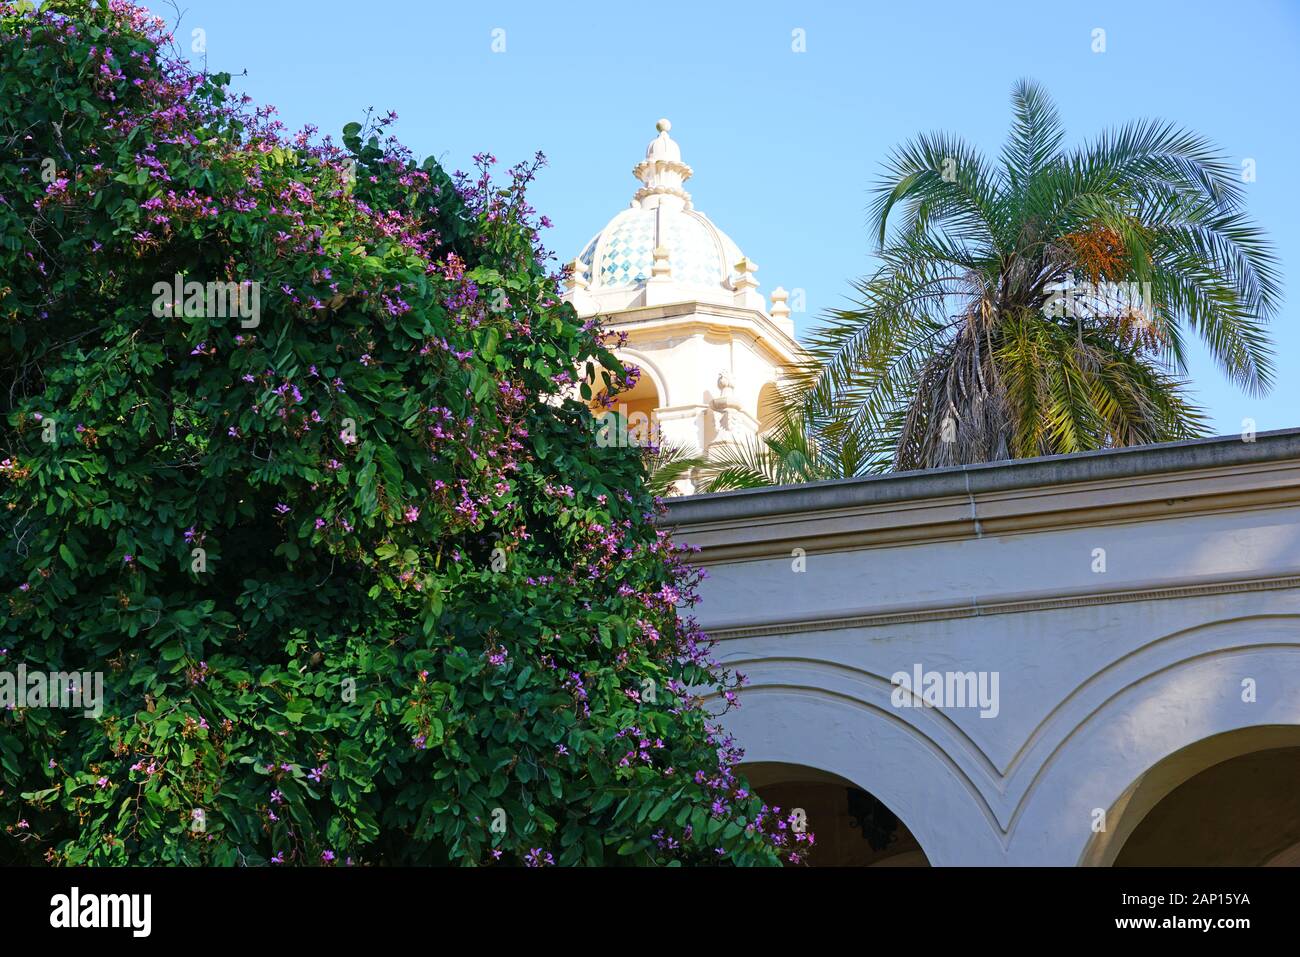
(711, 351)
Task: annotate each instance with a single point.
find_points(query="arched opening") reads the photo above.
(769, 408)
(638, 407)
(640, 403)
(1242, 812)
(851, 826)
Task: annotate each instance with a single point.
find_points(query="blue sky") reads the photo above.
(785, 145)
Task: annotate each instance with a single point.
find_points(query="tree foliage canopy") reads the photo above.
(359, 584)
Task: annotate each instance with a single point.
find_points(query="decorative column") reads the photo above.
(746, 285)
(780, 311)
(659, 287)
(728, 419)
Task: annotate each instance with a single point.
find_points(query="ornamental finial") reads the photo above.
(662, 172)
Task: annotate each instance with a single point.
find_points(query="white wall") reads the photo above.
(1102, 676)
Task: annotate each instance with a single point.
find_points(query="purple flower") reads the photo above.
(538, 858)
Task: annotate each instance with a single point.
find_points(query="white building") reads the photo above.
(1121, 629)
(710, 348)
(1113, 637)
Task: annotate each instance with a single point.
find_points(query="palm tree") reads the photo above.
(666, 465)
(1039, 305)
(788, 454)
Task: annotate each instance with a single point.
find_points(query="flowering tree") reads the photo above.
(288, 468)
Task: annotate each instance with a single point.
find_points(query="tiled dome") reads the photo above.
(622, 254)
(699, 252)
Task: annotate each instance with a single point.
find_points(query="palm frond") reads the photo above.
(667, 465)
(1036, 133)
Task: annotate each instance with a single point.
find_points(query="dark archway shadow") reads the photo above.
(851, 826)
(1231, 799)
(1243, 812)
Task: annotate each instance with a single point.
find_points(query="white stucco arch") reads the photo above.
(1191, 707)
(650, 371)
(1118, 683)
(1178, 694)
(1158, 782)
(878, 753)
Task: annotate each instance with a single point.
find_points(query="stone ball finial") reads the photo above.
(663, 171)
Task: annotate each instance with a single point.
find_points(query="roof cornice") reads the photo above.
(703, 313)
(1112, 485)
